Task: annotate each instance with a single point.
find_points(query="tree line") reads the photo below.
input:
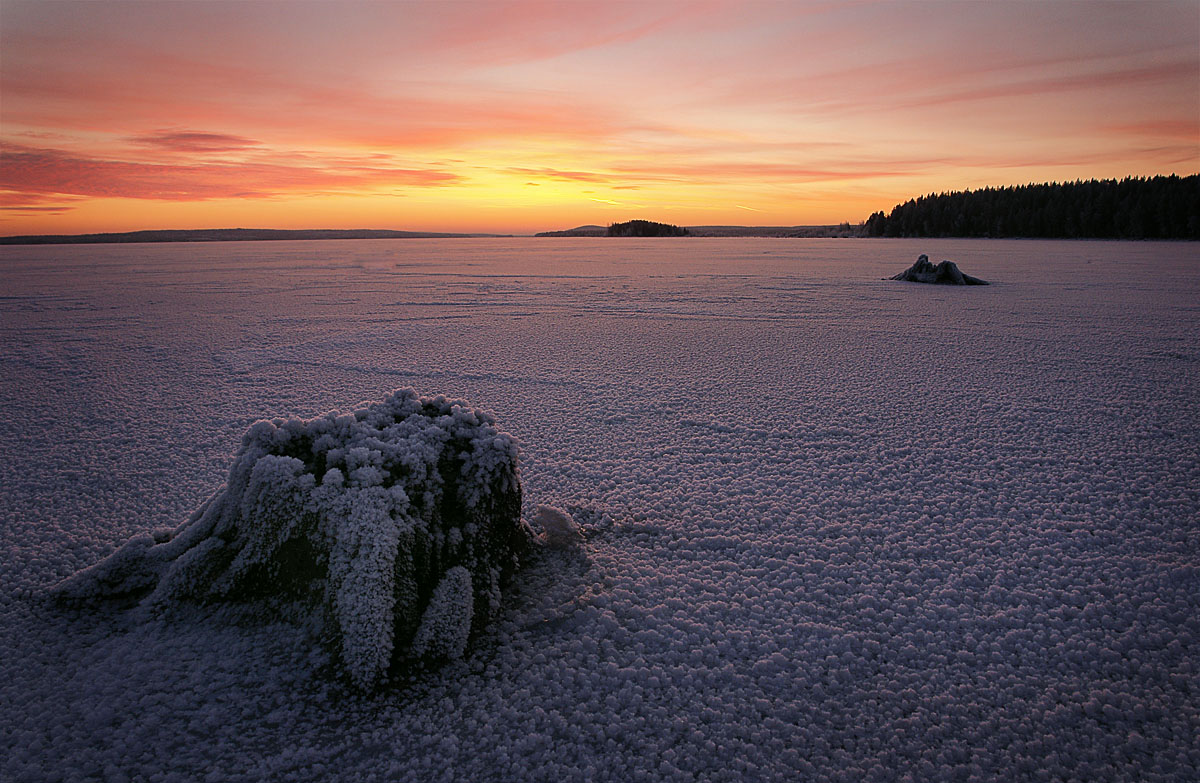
(1132, 208)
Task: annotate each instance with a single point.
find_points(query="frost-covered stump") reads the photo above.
(398, 523)
(945, 273)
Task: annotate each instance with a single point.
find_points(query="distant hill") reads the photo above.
(578, 231)
(843, 230)
(225, 235)
(1131, 208)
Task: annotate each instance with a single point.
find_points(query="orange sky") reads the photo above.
(528, 116)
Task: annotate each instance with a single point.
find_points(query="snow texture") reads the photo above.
(836, 529)
(945, 273)
(368, 510)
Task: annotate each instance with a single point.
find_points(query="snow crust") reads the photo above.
(382, 504)
(836, 529)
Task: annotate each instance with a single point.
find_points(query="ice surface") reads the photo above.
(837, 529)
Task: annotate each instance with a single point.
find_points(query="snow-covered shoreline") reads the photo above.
(836, 528)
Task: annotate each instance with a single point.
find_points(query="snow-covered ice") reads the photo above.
(833, 530)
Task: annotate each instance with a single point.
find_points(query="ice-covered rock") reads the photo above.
(945, 273)
(396, 523)
(559, 529)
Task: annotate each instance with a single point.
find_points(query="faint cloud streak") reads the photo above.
(195, 141)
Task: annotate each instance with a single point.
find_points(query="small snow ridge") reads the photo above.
(715, 426)
(559, 529)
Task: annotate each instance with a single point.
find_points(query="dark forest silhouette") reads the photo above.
(1131, 208)
(645, 228)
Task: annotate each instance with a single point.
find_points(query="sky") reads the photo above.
(516, 117)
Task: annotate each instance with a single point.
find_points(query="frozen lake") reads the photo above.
(840, 528)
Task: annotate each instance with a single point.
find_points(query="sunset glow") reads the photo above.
(529, 116)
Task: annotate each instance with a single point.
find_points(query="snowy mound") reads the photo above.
(945, 273)
(397, 523)
(559, 529)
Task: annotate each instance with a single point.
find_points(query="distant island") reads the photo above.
(840, 230)
(227, 235)
(645, 228)
(630, 228)
(1131, 208)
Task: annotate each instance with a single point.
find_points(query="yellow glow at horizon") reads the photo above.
(531, 186)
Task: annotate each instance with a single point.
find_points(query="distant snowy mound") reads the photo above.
(559, 529)
(396, 524)
(945, 273)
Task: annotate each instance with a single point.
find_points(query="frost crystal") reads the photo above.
(398, 522)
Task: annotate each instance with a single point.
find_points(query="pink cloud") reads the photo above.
(30, 170)
(1183, 130)
(532, 30)
(734, 171)
(194, 141)
(183, 94)
(32, 204)
(1106, 80)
